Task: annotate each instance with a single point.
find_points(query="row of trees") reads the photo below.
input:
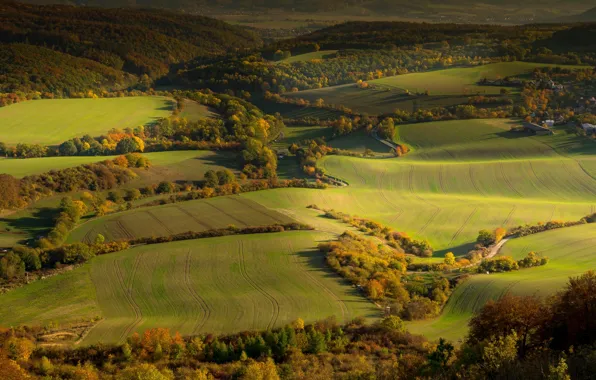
(15, 193)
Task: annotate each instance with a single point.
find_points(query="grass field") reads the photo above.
(176, 165)
(200, 215)
(50, 122)
(194, 111)
(447, 87)
(462, 176)
(214, 285)
(323, 54)
(571, 253)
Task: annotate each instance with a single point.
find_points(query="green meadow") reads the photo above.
(171, 219)
(446, 87)
(53, 121)
(322, 54)
(217, 285)
(571, 253)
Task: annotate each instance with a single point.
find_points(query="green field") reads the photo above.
(447, 87)
(214, 285)
(462, 176)
(309, 56)
(571, 253)
(176, 165)
(200, 215)
(194, 111)
(54, 121)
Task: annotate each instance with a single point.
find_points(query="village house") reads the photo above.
(590, 129)
(536, 129)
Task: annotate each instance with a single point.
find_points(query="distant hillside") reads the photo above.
(300, 5)
(587, 16)
(580, 38)
(133, 41)
(29, 68)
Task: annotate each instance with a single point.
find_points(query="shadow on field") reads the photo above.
(38, 223)
(316, 261)
(514, 135)
(458, 250)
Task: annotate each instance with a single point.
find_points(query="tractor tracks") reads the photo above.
(127, 288)
(507, 182)
(193, 293)
(464, 225)
(190, 215)
(508, 219)
(345, 312)
(399, 210)
(160, 222)
(272, 300)
(237, 200)
(226, 214)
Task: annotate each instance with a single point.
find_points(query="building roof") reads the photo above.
(535, 127)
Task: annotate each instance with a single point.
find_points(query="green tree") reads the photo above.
(393, 323)
(144, 371)
(128, 145)
(486, 238)
(500, 351)
(449, 259)
(211, 178)
(45, 366)
(68, 148)
(438, 360)
(99, 239)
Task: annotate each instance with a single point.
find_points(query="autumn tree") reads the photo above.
(523, 315)
(449, 259)
(573, 320)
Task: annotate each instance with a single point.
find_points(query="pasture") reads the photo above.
(571, 253)
(467, 176)
(317, 55)
(194, 111)
(171, 219)
(176, 166)
(53, 121)
(446, 87)
(218, 285)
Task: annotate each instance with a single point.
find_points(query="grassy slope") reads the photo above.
(67, 298)
(447, 88)
(184, 165)
(309, 56)
(54, 121)
(172, 219)
(216, 285)
(570, 251)
(194, 111)
(179, 166)
(468, 175)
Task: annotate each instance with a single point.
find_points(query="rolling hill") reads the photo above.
(445, 88)
(570, 251)
(219, 285)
